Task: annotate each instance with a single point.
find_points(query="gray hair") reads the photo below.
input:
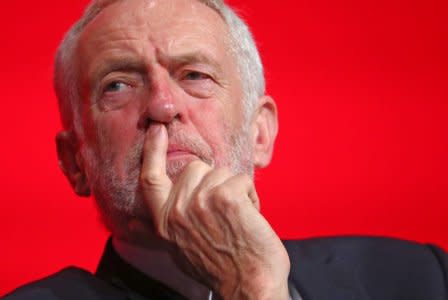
(242, 44)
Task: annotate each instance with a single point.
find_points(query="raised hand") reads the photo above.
(213, 217)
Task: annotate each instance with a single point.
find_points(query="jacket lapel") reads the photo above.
(113, 269)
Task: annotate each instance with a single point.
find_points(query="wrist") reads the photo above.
(258, 287)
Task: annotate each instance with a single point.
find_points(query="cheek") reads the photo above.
(214, 125)
(116, 134)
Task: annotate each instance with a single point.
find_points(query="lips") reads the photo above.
(176, 151)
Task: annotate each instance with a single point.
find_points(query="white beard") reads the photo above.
(119, 199)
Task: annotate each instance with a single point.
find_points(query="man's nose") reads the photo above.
(163, 104)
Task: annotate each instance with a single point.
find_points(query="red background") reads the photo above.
(362, 93)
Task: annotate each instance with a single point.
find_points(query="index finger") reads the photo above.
(155, 183)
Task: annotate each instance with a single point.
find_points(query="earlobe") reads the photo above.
(264, 131)
(71, 166)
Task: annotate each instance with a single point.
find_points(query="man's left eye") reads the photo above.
(196, 83)
(195, 75)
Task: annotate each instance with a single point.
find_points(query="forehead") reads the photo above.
(170, 26)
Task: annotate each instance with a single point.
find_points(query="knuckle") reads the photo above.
(222, 198)
(220, 192)
(197, 165)
(176, 215)
(201, 195)
(199, 202)
(149, 178)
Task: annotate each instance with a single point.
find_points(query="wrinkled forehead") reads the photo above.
(167, 23)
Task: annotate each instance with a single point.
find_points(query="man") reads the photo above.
(165, 117)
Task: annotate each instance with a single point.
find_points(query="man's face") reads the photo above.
(146, 61)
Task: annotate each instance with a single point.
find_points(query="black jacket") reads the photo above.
(321, 269)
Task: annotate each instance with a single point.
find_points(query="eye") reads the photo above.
(199, 84)
(195, 75)
(115, 86)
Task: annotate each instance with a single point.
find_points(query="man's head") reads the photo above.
(188, 64)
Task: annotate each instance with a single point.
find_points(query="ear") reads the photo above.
(264, 131)
(70, 162)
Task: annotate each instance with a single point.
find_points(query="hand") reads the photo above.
(213, 217)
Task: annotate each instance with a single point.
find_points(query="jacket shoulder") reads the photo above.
(378, 268)
(67, 284)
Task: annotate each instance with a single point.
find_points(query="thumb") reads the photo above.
(155, 183)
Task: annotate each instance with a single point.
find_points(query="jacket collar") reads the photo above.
(113, 269)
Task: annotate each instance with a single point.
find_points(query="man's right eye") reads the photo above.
(116, 93)
(115, 86)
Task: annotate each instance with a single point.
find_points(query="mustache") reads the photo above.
(189, 142)
(193, 144)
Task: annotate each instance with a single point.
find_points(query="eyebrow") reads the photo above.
(129, 64)
(115, 65)
(195, 57)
